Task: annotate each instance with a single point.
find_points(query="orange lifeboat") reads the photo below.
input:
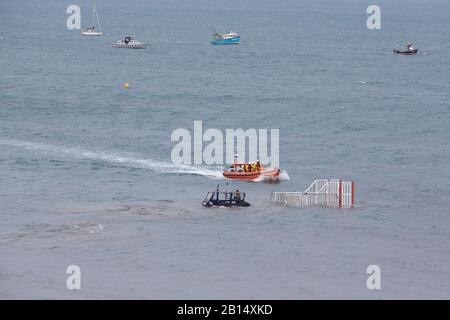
(251, 172)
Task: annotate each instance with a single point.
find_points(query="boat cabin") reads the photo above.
(225, 199)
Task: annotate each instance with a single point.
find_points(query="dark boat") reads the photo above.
(219, 198)
(410, 50)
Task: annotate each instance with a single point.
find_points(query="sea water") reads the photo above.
(86, 176)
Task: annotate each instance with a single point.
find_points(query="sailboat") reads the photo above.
(92, 31)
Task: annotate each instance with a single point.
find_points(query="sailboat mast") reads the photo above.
(93, 13)
(95, 17)
(98, 21)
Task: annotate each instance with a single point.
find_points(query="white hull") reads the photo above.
(90, 33)
(130, 46)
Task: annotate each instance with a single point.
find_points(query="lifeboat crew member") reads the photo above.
(254, 167)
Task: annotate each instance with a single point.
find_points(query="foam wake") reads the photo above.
(126, 160)
(282, 177)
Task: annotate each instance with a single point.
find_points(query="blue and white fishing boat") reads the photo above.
(226, 38)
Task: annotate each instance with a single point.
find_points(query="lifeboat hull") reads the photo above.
(270, 173)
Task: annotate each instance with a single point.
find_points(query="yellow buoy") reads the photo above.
(126, 85)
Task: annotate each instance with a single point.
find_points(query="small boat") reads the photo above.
(219, 198)
(251, 171)
(129, 42)
(226, 38)
(410, 50)
(92, 31)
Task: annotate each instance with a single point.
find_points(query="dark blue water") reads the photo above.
(86, 175)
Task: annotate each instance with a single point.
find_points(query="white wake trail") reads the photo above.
(131, 161)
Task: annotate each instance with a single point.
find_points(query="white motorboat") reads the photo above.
(129, 42)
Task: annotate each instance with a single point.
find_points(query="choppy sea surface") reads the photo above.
(85, 171)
